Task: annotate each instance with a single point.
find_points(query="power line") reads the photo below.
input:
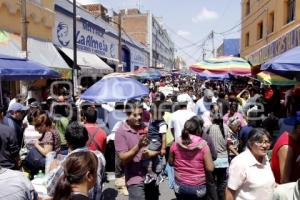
(235, 26)
(232, 28)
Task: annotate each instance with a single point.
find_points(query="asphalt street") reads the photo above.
(111, 193)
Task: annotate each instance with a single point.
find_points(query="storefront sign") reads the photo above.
(279, 46)
(93, 38)
(89, 37)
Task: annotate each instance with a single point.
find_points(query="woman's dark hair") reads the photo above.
(76, 135)
(190, 127)
(200, 122)
(42, 120)
(233, 105)
(256, 135)
(76, 167)
(218, 120)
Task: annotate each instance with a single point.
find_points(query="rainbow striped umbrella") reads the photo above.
(270, 78)
(226, 64)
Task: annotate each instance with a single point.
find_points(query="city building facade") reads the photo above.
(229, 47)
(179, 63)
(147, 29)
(95, 35)
(269, 28)
(39, 18)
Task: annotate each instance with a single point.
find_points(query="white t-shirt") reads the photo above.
(178, 120)
(250, 179)
(202, 106)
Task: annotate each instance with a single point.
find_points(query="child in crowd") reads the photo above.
(157, 142)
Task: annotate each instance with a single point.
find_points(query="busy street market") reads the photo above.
(99, 106)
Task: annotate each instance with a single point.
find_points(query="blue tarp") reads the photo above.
(288, 61)
(14, 68)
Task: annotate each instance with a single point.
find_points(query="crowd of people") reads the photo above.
(211, 140)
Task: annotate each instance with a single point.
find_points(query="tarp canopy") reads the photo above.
(147, 73)
(208, 75)
(288, 61)
(89, 63)
(270, 78)
(39, 51)
(14, 68)
(226, 64)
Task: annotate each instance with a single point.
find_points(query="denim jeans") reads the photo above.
(220, 176)
(169, 170)
(143, 192)
(189, 192)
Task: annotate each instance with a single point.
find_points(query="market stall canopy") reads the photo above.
(14, 68)
(227, 64)
(288, 61)
(270, 78)
(208, 75)
(89, 63)
(147, 73)
(115, 89)
(39, 51)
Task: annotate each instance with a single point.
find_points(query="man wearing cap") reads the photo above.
(13, 119)
(203, 104)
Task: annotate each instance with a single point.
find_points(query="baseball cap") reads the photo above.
(208, 93)
(17, 107)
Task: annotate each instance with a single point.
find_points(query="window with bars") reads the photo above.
(247, 39)
(247, 7)
(260, 30)
(291, 10)
(271, 22)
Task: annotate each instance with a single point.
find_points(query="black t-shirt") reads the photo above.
(79, 197)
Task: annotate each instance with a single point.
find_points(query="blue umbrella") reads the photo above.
(14, 68)
(286, 62)
(115, 89)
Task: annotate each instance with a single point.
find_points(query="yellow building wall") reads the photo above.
(259, 11)
(41, 18)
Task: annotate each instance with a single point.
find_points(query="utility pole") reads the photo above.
(213, 43)
(156, 54)
(24, 28)
(74, 68)
(203, 54)
(24, 35)
(120, 40)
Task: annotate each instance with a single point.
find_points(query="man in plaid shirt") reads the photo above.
(76, 137)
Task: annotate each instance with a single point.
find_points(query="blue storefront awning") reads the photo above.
(14, 68)
(288, 61)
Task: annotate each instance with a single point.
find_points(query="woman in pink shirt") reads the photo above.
(190, 157)
(233, 112)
